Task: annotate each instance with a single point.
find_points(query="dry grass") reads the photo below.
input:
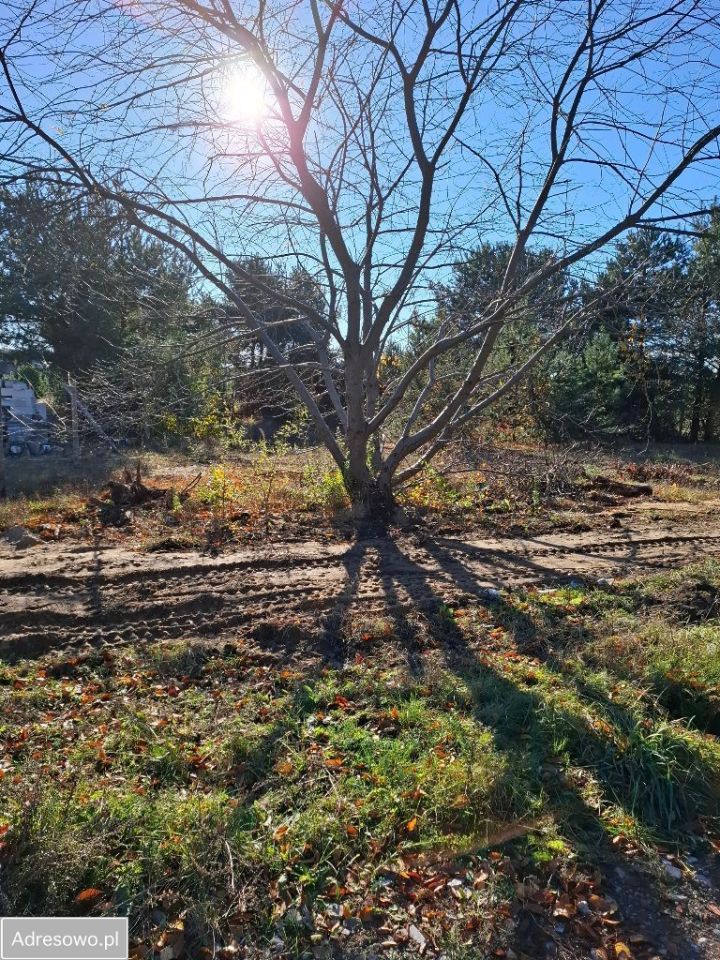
(299, 494)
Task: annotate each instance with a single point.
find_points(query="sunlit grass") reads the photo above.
(176, 772)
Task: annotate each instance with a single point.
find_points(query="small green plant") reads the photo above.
(219, 488)
(219, 493)
(267, 462)
(290, 432)
(324, 487)
(266, 469)
(216, 425)
(433, 491)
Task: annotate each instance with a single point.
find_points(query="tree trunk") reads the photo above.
(698, 397)
(74, 417)
(368, 484)
(373, 503)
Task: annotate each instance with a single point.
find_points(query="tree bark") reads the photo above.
(367, 479)
(373, 504)
(74, 418)
(371, 494)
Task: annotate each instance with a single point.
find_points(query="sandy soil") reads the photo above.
(55, 595)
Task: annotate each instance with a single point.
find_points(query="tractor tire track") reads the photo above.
(54, 597)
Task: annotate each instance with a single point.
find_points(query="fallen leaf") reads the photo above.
(604, 905)
(87, 898)
(417, 937)
(367, 913)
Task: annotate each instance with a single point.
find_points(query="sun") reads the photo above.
(244, 96)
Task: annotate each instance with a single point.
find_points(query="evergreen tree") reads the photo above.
(77, 283)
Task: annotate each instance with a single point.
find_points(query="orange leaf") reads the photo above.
(86, 898)
(411, 825)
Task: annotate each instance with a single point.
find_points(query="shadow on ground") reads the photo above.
(623, 763)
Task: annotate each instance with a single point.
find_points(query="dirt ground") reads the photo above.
(288, 601)
(56, 595)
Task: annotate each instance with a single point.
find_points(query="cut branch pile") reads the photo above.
(618, 488)
(131, 492)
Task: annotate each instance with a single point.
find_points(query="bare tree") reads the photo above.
(372, 143)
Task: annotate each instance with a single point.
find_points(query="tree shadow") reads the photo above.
(519, 565)
(603, 743)
(95, 595)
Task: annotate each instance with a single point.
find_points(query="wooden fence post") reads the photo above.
(3, 484)
(74, 425)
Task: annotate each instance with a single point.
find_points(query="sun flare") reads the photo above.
(244, 96)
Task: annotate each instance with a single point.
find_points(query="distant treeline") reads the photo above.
(83, 292)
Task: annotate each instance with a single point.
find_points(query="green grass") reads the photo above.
(175, 776)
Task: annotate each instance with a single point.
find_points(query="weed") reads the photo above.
(324, 488)
(675, 493)
(219, 490)
(434, 491)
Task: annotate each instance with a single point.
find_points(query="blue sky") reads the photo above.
(69, 72)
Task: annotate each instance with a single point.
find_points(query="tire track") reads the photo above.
(51, 599)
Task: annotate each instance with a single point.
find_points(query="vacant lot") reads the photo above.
(491, 735)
